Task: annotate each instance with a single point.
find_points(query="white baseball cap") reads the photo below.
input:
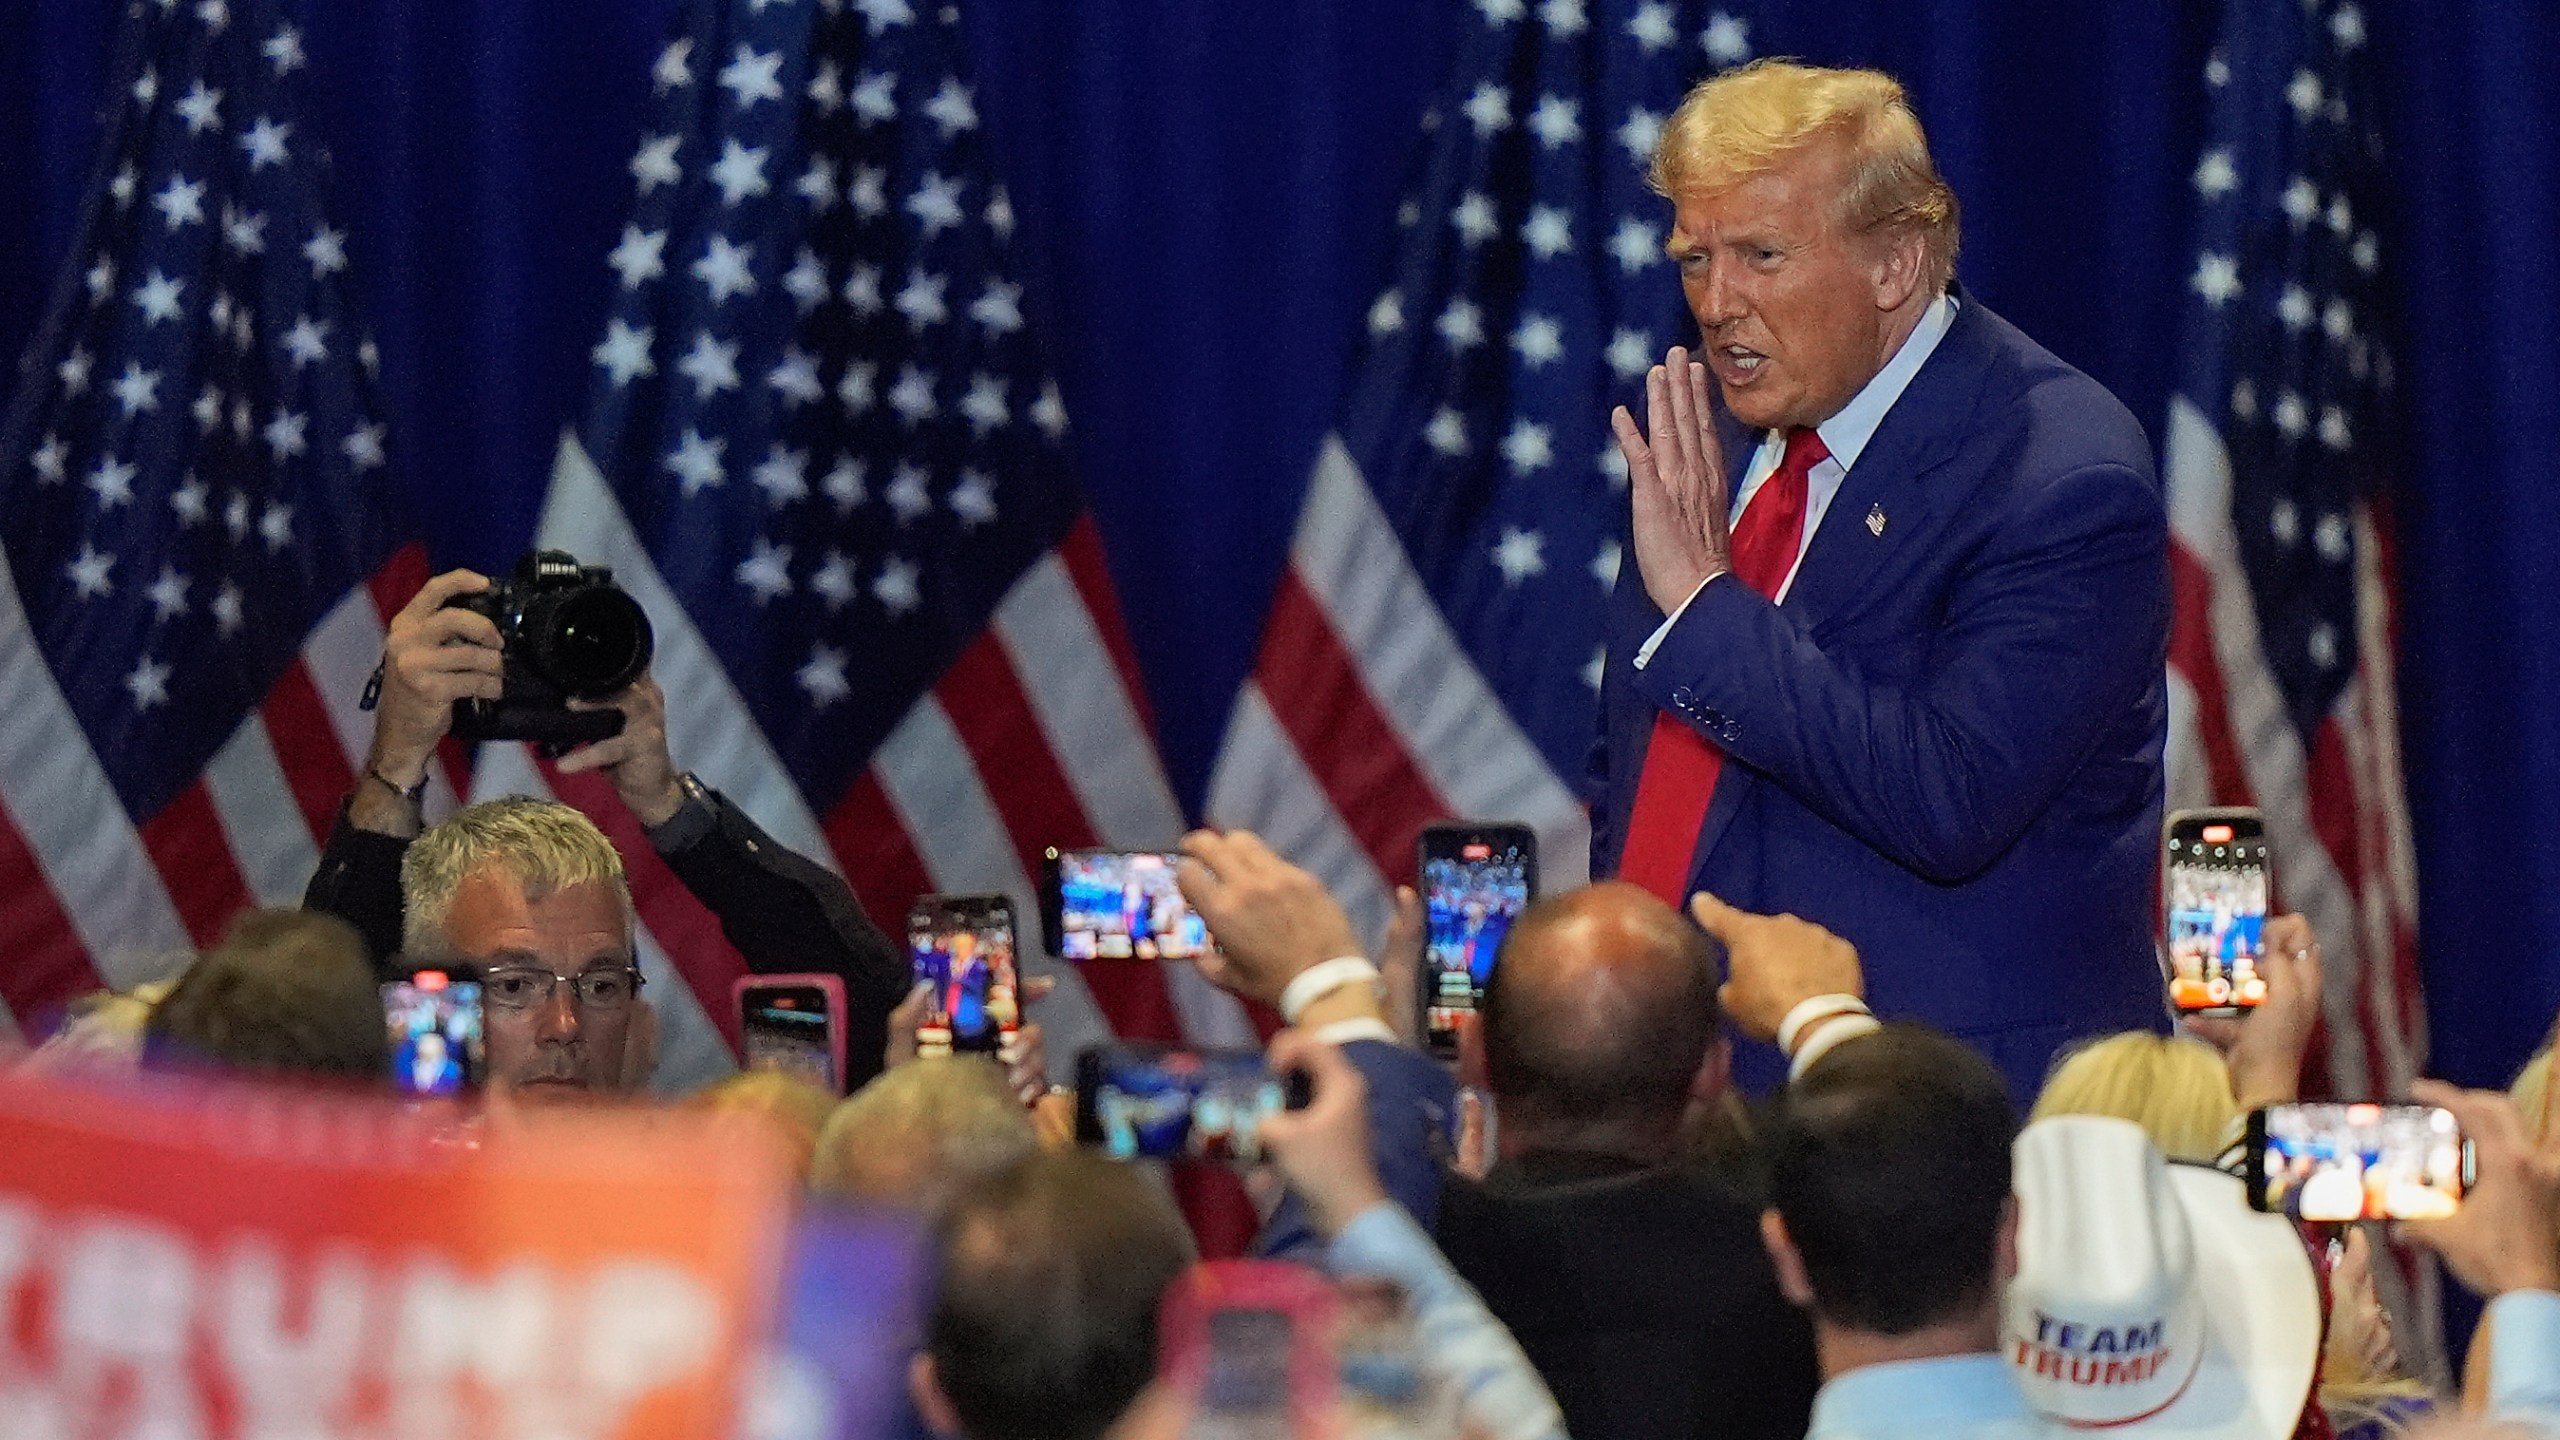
(2149, 1296)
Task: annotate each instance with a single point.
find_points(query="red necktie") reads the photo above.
(1680, 765)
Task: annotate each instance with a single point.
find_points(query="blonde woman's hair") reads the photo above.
(2176, 1088)
(791, 1107)
(921, 1132)
(2532, 1094)
(1747, 122)
(543, 845)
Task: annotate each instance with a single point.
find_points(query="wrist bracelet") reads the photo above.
(1819, 1007)
(414, 794)
(1322, 979)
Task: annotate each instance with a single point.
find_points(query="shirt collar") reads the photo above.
(1846, 434)
(1955, 1395)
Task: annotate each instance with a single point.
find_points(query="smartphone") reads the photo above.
(1118, 905)
(961, 948)
(1251, 1344)
(2215, 881)
(1476, 879)
(1154, 1102)
(2331, 1162)
(793, 1024)
(434, 1021)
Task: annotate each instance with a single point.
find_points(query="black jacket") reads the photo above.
(1642, 1295)
(784, 912)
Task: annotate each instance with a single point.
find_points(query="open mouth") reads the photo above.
(1736, 364)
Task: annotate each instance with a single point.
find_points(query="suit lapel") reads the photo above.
(1885, 502)
(1919, 434)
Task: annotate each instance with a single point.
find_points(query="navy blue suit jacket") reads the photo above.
(1946, 744)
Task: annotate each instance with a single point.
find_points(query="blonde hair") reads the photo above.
(1747, 122)
(2176, 1088)
(791, 1107)
(921, 1132)
(2532, 1094)
(543, 845)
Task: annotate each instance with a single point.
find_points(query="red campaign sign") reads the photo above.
(187, 1260)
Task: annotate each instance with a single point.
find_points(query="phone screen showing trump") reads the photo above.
(1473, 887)
(2217, 895)
(1125, 905)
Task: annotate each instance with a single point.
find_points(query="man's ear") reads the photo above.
(924, 1387)
(1715, 1074)
(1784, 1259)
(1901, 258)
(2005, 1254)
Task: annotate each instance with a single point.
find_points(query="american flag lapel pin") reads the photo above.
(1875, 521)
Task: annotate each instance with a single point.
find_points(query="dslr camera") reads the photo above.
(569, 633)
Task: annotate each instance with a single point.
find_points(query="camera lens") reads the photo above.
(597, 641)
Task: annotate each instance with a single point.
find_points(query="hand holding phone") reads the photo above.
(1155, 1102)
(1476, 879)
(1118, 905)
(1249, 1343)
(962, 953)
(1270, 920)
(2331, 1162)
(2507, 1235)
(1323, 1147)
(793, 1024)
(2215, 884)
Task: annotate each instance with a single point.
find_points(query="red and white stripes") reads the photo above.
(92, 898)
(1364, 720)
(2336, 811)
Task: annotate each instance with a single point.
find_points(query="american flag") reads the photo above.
(1435, 646)
(2279, 447)
(823, 448)
(199, 522)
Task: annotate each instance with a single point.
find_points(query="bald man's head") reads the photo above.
(1601, 1012)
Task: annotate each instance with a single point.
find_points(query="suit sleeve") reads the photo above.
(1411, 1100)
(2049, 634)
(786, 913)
(359, 882)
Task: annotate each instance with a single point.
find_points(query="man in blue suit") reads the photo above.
(1890, 656)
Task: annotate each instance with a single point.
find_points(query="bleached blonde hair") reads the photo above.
(2532, 1094)
(543, 845)
(2176, 1088)
(1746, 122)
(920, 1133)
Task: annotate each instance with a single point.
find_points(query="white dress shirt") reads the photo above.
(1845, 435)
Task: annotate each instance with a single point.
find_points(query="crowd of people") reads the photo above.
(1621, 1246)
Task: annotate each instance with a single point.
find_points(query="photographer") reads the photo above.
(782, 911)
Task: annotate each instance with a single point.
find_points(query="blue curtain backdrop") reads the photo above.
(1205, 191)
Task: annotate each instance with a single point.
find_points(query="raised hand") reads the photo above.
(1774, 963)
(431, 657)
(637, 761)
(1676, 481)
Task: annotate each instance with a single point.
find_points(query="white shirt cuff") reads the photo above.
(1826, 1037)
(1662, 631)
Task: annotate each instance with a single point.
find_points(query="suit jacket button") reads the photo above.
(1684, 697)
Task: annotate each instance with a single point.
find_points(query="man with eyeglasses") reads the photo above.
(532, 892)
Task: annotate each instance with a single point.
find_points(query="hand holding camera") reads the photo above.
(433, 656)
(555, 654)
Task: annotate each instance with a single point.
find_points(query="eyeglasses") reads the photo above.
(523, 988)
